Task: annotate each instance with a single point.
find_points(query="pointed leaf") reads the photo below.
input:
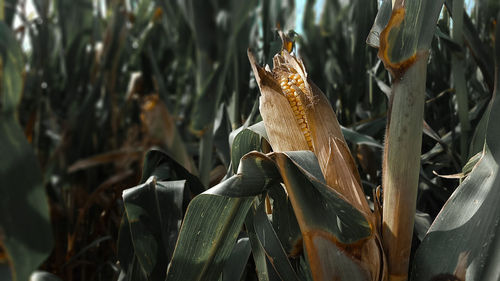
(23, 203)
(159, 164)
(465, 234)
(214, 219)
(154, 212)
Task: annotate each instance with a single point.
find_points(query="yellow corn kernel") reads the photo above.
(287, 81)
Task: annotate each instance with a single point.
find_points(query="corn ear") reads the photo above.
(298, 116)
(275, 109)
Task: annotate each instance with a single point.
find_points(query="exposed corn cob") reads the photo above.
(289, 84)
(298, 116)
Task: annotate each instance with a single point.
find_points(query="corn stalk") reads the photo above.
(458, 75)
(403, 36)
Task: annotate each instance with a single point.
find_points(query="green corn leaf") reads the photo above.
(284, 221)
(236, 264)
(358, 138)
(381, 20)
(22, 199)
(259, 256)
(25, 230)
(465, 235)
(464, 239)
(159, 164)
(11, 71)
(481, 53)
(154, 211)
(214, 219)
(271, 243)
(247, 139)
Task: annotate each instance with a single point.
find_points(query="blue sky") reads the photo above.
(300, 4)
(299, 10)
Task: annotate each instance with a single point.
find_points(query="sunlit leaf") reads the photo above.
(246, 140)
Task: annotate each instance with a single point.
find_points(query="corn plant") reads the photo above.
(240, 186)
(338, 235)
(403, 48)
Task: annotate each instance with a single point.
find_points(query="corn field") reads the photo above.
(257, 140)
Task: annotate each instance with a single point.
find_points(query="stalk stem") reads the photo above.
(458, 74)
(401, 165)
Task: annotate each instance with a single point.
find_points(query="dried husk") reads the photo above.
(284, 133)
